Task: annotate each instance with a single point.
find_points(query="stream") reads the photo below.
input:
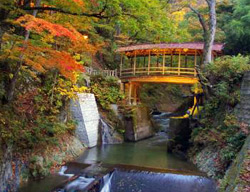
(144, 166)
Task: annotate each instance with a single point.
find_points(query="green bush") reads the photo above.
(106, 90)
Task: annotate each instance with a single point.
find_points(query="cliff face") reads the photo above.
(18, 168)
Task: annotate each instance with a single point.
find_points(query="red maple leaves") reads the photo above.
(38, 25)
(43, 58)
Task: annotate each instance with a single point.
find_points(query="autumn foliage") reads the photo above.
(43, 59)
(66, 39)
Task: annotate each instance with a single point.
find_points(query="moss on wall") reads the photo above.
(237, 177)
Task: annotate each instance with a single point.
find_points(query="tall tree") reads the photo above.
(209, 29)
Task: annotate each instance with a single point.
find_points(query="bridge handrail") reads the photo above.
(163, 70)
(108, 73)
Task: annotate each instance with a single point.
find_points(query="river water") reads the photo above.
(146, 167)
(151, 153)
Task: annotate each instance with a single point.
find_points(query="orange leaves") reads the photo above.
(40, 25)
(67, 40)
(79, 2)
(43, 59)
(77, 41)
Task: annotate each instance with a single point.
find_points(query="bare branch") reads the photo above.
(96, 15)
(208, 3)
(201, 19)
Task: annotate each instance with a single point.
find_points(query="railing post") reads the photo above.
(171, 64)
(179, 63)
(149, 61)
(163, 62)
(195, 63)
(134, 94)
(134, 63)
(129, 93)
(121, 65)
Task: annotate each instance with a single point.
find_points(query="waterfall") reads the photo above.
(129, 181)
(79, 184)
(162, 121)
(105, 132)
(62, 172)
(107, 183)
(108, 134)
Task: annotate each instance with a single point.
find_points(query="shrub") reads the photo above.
(106, 90)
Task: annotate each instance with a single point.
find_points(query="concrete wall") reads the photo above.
(85, 112)
(139, 125)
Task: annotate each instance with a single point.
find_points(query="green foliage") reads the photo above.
(234, 19)
(106, 90)
(137, 21)
(219, 126)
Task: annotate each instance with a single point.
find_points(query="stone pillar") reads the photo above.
(138, 125)
(85, 112)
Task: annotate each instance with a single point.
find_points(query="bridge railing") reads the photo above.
(165, 71)
(109, 73)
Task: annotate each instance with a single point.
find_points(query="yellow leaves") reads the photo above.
(231, 120)
(2, 119)
(70, 91)
(179, 15)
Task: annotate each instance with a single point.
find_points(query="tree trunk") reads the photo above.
(12, 86)
(210, 34)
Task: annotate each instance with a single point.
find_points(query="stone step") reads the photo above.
(244, 107)
(245, 96)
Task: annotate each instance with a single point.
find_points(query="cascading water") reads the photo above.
(106, 133)
(80, 183)
(161, 120)
(130, 181)
(107, 183)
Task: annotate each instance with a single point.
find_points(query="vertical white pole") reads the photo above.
(134, 62)
(163, 62)
(149, 58)
(179, 63)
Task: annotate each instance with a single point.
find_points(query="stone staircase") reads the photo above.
(243, 109)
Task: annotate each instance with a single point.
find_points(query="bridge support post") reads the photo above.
(135, 94)
(122, 88)
(130, 88)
